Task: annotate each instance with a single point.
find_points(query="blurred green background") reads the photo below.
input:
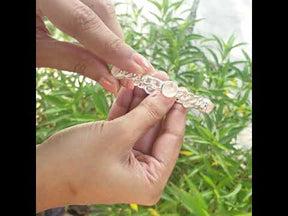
(212, 176)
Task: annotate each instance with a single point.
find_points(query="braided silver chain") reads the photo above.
(182, 95)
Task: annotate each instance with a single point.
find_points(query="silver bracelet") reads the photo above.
(169, 89)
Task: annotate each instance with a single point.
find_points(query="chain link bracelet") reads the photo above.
(169, 89)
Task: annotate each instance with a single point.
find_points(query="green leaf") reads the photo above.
(244, 214)
(198, 79)
(219, 41)
(214, 55)
(222, 147)
(219, 113)
(231, 134)
(245, 97)
(204, 132)
(176, 5)
(195, 192)
(208, 180)
(190, 202)
(100, 101)
(247, 57)
(192, 37)
(158, 5)
(58, 101)
(209, 122)
(156, 16)
(234, 192)
(79, 93)
(87, 118)
(165, 6)
(53, 110)
(223, 165)
(54, 120)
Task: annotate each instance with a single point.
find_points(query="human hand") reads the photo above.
(94, 24)
(126, 159)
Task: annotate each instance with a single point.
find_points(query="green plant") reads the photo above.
(211, 177)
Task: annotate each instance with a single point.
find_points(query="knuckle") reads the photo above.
(84, 18)
(97, 126)
(108, 7)
(115, 45)
(80, 67)
(152, 110)
(178, 136)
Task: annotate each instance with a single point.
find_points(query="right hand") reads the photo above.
(94, 24)
(127, 159)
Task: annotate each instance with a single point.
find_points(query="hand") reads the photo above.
(126, 159)
(94, 24)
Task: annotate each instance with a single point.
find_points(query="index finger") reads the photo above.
(105, 10)
(79, 21)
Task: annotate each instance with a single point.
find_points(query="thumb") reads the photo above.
(139, 120)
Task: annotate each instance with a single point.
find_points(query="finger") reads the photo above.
(138, 96)
(144, 144)
(139, 120)
(78, 20)
(106, 12)
(66, 56)
(121, 104)
(167, 146)
(127, 83)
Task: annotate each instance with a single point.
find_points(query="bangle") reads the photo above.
(169, 89)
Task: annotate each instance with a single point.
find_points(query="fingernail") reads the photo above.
(109, 86)
(180, 107)
(161, 97)
(143, 63)
(169, 100)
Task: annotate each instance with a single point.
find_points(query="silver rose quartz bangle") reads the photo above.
(169, 89)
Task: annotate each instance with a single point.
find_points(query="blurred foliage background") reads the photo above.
(212, 176)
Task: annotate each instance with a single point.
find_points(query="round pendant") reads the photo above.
(169, 89)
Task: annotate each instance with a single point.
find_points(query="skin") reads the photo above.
(94, 24)
(129, 157)
(126, 159)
